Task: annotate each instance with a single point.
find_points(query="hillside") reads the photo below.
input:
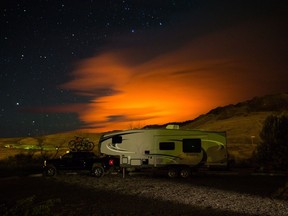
(242, 121)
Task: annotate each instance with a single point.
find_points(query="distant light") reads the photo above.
(172, 126)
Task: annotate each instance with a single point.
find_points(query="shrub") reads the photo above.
(29, 206)
(273, 148)
(20, 165)
(22, 159)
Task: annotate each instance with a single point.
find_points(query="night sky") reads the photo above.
(105, 65)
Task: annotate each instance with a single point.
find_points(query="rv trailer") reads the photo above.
(177, 151)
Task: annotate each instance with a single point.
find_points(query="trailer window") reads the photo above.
(166, 145)
(192, 145)
(116, 139)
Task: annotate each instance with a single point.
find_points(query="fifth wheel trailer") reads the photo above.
(177, 151)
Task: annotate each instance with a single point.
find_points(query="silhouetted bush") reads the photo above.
(22, 160)
(273, 149)
(29, 206)
(21, 165)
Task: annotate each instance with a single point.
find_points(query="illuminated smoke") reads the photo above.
(142, 85)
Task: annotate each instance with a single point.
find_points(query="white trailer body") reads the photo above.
(145, 148)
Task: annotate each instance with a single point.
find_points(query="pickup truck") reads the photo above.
(79, 162)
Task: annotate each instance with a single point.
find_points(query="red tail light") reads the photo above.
(111, 162)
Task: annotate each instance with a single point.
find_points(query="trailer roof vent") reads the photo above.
(172, 126)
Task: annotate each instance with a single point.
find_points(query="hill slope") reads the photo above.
(243, 121)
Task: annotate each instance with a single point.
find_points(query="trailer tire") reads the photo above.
(97, 171)
(185, 172)
(172, 172)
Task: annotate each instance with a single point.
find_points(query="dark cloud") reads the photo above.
(116, 118)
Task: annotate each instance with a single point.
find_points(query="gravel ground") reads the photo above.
(150, 195)
(248, 195)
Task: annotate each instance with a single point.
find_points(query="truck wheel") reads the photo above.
(172, 172)
(185, 172)
(50, 171)
(98, 171)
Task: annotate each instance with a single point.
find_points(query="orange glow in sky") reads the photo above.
(179, 84)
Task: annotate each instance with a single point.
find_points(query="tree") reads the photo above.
(273, 148)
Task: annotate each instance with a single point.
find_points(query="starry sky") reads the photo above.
(116, 64)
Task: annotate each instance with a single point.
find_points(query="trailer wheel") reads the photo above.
(185, 172)
(98, 171)
(172, 172)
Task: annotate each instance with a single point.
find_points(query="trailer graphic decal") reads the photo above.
(115, 148)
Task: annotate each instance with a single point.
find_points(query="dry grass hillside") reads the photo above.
(242, 122)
